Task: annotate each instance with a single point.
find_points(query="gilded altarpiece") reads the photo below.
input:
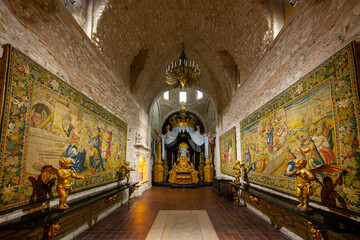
(228, 152)
(45, 119)
(316, 119)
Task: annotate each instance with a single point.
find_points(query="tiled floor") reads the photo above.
(229, 221)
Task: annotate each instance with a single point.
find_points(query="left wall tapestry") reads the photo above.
(44, 119)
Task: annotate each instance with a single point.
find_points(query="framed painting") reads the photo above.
(228, 152)
(315, 119)
(44, 119)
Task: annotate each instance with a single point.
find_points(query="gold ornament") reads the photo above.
(304, 178)
(64, 184)
(237, 169)
(127, 171)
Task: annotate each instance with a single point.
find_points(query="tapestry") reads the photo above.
(316, 119)
(45, 119)
(228, 152)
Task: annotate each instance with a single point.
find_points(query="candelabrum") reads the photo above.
(182, 72)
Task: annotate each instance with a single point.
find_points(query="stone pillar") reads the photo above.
(158, 169)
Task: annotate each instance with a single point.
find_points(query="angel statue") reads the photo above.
(237, 169)
(43, 184)
(304, 178)
(127, 169)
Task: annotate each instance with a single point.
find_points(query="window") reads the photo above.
(199, 95)
(182, 97)
(166, 95)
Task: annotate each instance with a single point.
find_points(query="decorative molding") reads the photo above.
(142, 146)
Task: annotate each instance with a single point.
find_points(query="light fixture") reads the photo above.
(293, 2)
(72, 2)
(182, 72)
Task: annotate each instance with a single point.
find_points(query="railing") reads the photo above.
(325, 219)
(50, 215)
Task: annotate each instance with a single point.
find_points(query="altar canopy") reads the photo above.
(196, 139)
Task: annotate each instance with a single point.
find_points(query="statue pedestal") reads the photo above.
(158, 173)
(183, 178)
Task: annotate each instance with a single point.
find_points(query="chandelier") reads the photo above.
(182, 72)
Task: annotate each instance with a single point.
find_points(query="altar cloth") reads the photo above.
(182, 225)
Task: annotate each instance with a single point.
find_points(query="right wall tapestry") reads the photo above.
(316, 119)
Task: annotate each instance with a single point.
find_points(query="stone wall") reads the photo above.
(316, 30)
(46, 31)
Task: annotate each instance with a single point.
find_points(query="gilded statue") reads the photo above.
(42, 185)
(64, 175)
(304, 178)
(237, 169)
(201, 167)
(207, 171)
(166, 169)
(172, 174)
(158, 172)
(183, 172)
(194, 174)
(127, 171)
(318, 233)
(158, 169)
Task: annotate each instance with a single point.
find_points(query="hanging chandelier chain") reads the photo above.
(182, 71)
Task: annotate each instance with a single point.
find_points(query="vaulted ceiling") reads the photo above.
(142, 37)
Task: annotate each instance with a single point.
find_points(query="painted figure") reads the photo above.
(64, 126)
(105, 138)
(72, 151)
(322, 142)
(230, 154)
(309, 150)
(64, 175)
(247, 156)
(269, 137)
(98, 163)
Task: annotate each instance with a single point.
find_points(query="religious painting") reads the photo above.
(315, 119)
(45, 119)
(228, 152)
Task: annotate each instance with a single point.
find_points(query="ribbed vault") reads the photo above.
(241, 29)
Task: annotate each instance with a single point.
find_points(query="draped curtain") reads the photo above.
(195, 139)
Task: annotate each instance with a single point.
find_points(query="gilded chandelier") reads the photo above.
(182, 72)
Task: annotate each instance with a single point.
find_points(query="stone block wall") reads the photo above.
(46, 31)
(316, 30)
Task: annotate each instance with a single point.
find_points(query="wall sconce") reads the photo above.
(72, 2)
(294, 2)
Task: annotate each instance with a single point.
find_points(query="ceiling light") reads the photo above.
(182, 72)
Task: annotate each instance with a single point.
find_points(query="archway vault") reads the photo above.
(142, 37)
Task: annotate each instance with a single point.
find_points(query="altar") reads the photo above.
(183, 171)
(181, 153)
